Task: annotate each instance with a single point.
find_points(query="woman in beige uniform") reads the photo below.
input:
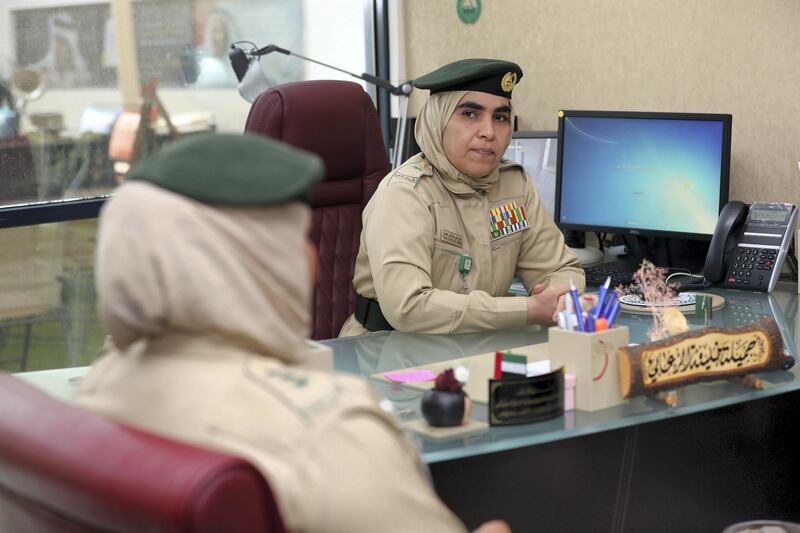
(203, 278)
(446, 232)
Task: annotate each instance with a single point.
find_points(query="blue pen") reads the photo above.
(601, 297)
(611, 297)
(577, 303)
(589, 323)
(612, 315)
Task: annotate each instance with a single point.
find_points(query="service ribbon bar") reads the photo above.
(507, 219)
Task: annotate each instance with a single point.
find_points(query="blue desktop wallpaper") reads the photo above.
(644, 173)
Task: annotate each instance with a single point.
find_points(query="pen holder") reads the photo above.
(592, 358)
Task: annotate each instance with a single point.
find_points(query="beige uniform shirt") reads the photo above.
(335, 460)
(416, 230)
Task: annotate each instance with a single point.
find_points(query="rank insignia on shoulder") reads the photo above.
(412, 179)
(507, 219)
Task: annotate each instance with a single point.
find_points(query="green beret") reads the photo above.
(232, 169)
(491, 76)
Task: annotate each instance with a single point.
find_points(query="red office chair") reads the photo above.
(68, 470)
(337, 121)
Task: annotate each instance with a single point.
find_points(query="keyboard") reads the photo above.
(596, 275)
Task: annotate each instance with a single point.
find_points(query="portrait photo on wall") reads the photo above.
(65, 44)
(75, 46)
(218, 23)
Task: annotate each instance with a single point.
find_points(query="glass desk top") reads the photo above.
(384, 351)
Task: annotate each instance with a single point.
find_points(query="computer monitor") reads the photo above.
(650, 174)
(537, 152)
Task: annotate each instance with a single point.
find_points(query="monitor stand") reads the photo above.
(670, 252)
(589, 255)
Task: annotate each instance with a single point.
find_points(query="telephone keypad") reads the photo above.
(749, 261)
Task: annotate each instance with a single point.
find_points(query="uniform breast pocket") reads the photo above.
(444, 267)
(509, 243)
(505, 252)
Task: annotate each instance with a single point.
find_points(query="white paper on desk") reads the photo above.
(534, 368)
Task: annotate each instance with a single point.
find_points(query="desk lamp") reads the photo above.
(253, 81)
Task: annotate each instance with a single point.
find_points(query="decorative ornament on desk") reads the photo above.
(674, 321)
(446, 404)
(650, 283)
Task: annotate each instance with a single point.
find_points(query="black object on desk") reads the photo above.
(522, 400)
(597, 275)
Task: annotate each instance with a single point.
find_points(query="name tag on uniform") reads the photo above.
(507, 219)
(451, 237)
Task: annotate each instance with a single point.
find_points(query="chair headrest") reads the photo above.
(334, 119)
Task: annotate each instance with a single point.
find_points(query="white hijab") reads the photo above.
(167, 263)
(429, 129)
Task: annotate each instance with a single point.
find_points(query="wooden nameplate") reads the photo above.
(705, 355)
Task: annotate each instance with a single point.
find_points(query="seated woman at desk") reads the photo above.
(445, 233)
(205, 293)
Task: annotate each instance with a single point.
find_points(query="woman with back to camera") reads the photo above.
(203, 270)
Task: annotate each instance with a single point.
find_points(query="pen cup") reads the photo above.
(592, 359)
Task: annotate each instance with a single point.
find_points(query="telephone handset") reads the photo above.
(750, 244)
(723, 244)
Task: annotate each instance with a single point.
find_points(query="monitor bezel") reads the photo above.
(727, 122)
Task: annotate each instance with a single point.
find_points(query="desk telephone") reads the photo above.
(749, 245)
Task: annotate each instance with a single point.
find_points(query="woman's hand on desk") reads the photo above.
(545, 303)
(493, 526)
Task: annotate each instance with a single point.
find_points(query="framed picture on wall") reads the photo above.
(75, 47)
(66, 43)
(218, 23)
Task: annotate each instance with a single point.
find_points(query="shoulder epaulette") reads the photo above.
(412, 172)
(508, 163)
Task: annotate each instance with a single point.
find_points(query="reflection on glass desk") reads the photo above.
(385, 351)
(725, 454)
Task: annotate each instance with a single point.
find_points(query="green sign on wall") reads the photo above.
(468, 10)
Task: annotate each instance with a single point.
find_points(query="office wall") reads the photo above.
(725, 56)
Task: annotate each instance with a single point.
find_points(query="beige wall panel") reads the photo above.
(723, 56)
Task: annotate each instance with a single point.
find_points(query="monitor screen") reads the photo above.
(537, 151)
(661, 174)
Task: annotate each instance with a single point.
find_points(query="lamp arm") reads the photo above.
(402, 89)
(241, 60)
(271, 48)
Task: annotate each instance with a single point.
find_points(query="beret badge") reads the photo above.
(508, 82)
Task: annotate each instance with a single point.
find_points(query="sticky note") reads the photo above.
(410, 377)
